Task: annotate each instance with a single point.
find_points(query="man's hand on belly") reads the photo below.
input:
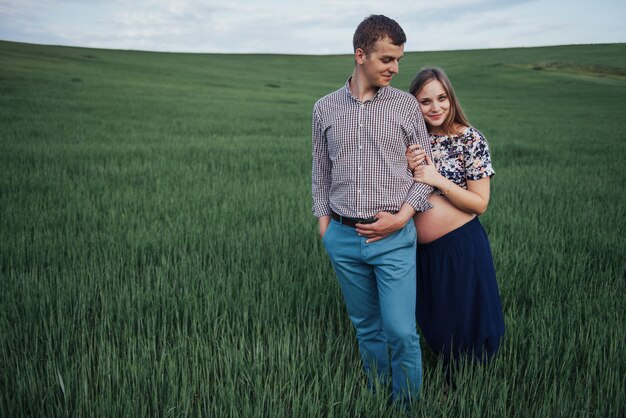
(386, 224)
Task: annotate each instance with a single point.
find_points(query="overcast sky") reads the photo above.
(307, 26)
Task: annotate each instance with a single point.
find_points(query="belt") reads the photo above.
(351, 221)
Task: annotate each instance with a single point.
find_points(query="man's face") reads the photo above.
(382, 63)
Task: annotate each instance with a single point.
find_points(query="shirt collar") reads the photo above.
(380, 93)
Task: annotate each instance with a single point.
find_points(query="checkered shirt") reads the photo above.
(359, 163)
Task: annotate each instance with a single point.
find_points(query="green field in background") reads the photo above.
(159, 257)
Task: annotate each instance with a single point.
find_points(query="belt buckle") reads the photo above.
(365, 221)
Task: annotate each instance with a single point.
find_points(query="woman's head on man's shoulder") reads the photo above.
(438, 102)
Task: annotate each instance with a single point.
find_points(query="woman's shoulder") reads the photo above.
(471, 134)
(455, 132)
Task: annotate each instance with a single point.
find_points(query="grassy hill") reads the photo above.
(158, 255)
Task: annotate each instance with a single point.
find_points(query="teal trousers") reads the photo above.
(379, 289)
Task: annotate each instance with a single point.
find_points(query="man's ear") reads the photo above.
(359, 56)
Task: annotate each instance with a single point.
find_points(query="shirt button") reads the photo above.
(361, 125)
(359, 191)
(360, 147)
(360, 168)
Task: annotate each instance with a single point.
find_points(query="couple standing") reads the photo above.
(367, 138)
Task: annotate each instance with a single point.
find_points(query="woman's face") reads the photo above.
(435, 105)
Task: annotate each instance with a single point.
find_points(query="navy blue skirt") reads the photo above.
(458, 305)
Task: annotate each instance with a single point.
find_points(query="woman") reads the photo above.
(458, 306)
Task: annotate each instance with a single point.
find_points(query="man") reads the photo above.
(364, 197)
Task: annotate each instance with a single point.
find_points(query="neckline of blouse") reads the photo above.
(467, 129)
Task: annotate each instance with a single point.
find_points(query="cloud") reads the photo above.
(299, 26)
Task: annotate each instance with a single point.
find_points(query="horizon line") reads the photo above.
(305, 55)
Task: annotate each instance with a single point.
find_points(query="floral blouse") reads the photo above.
(462, 157)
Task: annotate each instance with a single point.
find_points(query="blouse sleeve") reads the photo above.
(477, 156)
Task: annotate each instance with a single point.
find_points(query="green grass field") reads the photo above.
(158, 255)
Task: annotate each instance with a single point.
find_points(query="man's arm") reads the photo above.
(417, 197)
(419, 192)
(321, 172)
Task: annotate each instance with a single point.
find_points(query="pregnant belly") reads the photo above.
(444, 217)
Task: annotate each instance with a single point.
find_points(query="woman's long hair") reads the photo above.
(455, 117)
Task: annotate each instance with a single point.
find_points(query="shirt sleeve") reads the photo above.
(419, 192)
(321, 169)
(477, 156)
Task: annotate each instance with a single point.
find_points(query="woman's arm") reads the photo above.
(473, 200)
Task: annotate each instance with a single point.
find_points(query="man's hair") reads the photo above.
(374, 28)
